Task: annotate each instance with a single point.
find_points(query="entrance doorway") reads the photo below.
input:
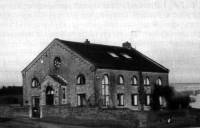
(49, 95)
(36, 106)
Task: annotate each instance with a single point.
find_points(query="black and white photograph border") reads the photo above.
(88, 63)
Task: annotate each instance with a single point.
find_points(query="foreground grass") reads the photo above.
(89, 123)
(177, 123)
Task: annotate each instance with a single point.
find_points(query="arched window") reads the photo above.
(80, 79)
(159, 81)
(134, 80)
(146, 81)
(105, 90)
(120, 80)
(35, 83)
(49, 95)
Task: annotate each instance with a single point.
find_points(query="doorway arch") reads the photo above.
(49, 96)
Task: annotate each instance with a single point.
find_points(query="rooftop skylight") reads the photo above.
(125, 55)
(113, 54)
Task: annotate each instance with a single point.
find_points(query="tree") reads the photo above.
(167, 92)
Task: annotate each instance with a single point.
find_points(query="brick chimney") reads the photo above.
(87, 41)
(127, 45)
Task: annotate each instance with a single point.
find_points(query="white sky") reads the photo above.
(168, 31)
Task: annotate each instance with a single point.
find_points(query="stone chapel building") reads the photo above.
(80, 73)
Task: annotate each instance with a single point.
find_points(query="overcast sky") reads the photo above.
(168, 31)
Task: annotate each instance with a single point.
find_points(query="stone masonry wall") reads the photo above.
(127, 89)
(14, 111)
(70, 68)
(88, 113)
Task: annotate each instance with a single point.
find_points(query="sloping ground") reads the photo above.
(31, 123)
(17, 123)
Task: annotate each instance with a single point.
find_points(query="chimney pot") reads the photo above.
(127, 45)
(87, 41)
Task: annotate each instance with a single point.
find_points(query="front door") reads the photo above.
(36, 106)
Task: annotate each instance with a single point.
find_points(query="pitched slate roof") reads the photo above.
(99, 56)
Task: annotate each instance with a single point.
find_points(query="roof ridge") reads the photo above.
(89, 44)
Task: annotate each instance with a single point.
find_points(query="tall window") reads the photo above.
(35, 83)
(120, 80)
(105, 90)
(120, 99)
(134, 80)
(158, 81)
(146, 81)
(134, 98)
(147, 100)
(64, 93)
(81, 100)
(160, 100)
(80, 79)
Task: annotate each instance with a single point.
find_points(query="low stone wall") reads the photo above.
(89, 113)
(109, 114)
(14, 111)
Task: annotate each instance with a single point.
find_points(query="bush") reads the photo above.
(165, 91)
(179, 102)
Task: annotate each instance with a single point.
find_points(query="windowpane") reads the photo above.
(135, 100)
(147, 81)
(79, 100)
(125, 55)
(113, 54)
(35, 82)
(107, 100)
(159, 82)
(120, 79)
(105, 90)
(64, 95)
(81, 79)
(160, 100)
(120, 99)
(134, 80)
(147, 100)
(106, 79)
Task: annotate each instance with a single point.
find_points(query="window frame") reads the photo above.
(146, 81)
(35, 80)
(126, 56)
(133, 99)
(82, 99)
(82, 80)
(55, 60)
(113, 54)
(134, 80)
(146, 100)
(119, 102)
(105, 90)
(159, 81)
(64, 93)
(119, 77)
